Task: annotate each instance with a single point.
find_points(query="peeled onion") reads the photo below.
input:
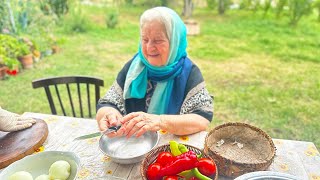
(59, 170)
(21, 175)
(43, 177)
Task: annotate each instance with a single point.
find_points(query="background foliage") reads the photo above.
(260, 69)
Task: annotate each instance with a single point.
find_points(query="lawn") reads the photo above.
(260, 70)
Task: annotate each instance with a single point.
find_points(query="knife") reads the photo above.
(92, 135)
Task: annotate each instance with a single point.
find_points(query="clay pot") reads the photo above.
(55, 49)
(3, 70)
(26, 61)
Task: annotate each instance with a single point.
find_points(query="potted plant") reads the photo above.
(9, 50)
(45, 48)
(12, 66)
(47, 52)
(55, 49)
(25, 56)
(35, 51)
(9, 46)
(36, 55)
(54, 44)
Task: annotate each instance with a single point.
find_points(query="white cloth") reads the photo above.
(13, 122)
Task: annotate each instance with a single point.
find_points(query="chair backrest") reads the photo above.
(70, 82)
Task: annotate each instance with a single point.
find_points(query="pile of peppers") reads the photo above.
(180, 164)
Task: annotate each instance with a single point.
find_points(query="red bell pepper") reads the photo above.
(171, 178)
(165, 158)
(206, 166)
(181, 163)
(194, 178)
(153, 170)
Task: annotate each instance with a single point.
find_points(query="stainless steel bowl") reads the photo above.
(270, 175)
(131, 150)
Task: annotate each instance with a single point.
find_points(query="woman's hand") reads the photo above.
(107, 117)
(13, 122)
(139, 122)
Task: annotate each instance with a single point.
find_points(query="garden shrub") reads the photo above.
(58, 7)
(112, 20)
(4, 20)
(211, 4)
(280, 6)
(316, 5)
(76, 21)
(299, 8)
(9, 50)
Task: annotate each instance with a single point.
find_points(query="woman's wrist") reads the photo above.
(162, 122)
(101, 112)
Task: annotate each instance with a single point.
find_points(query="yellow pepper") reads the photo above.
(174, 148)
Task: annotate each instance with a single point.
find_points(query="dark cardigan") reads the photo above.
(197, 99)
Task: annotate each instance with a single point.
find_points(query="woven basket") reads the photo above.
(257, 153)
(152, 156)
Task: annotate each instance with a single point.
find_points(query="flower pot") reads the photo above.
(26, 61)
(55, 49)
(45, 53)
(3, 70)
(36, 55)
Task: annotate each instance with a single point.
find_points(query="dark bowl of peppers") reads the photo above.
(166, 163)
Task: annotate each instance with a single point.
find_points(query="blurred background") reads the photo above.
(260, 58)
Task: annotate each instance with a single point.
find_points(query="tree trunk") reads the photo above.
(164, 2)
(187, 8)
(221, 7)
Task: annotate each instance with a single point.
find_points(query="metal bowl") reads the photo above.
(270, 175)
(131, 150)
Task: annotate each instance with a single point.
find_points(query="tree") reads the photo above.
(4, 14)
(299, 8)
(164, 2)
(129, 2)
(11, 17)
(187, 8)
(222, 6)
(211, 4)
(266, 5)
(316, 5)
(59, 7)
(279, 7)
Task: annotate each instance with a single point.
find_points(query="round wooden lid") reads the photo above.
(16, 145)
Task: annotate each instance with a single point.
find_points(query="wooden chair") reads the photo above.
(72, 84)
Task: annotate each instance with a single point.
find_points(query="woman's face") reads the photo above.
(155, 43)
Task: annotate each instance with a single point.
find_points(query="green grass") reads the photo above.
(260, 70)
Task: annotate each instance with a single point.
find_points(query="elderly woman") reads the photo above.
(159, 88)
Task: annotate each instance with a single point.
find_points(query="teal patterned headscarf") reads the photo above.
(141, 70)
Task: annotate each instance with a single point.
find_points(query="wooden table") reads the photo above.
(298, 158)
